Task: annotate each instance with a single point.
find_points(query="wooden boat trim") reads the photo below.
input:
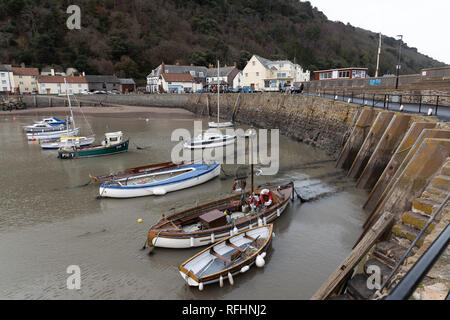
(235, 267)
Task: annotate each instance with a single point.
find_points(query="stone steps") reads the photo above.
(417, 221)
(424, 206)
(435, 194)
(404, 231)
(442, 181)
(357, 288)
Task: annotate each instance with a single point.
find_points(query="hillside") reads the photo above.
(131, 37)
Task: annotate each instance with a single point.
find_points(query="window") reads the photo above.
(3, 75)
(257, 74)
(201, 74)
(266, 84)
(344, 74)
(5, 89)
(79, 85)
(192, 73)
(253, 63)
(281, 75)
(326, 75)
(20, 77)
(26, 89)
(21, 82)
(246, 75)
(3, 81)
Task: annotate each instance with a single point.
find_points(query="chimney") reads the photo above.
(22, 65)
(235, 64)
(52, 71)
(177, 63)
(84, 74)
(211, 66)
(163, 67)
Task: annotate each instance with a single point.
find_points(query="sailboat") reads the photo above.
(56, 135)
(219, 124)
(212, 139)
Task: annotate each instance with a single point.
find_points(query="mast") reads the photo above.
(378, 57)
(70, 105)
(218, 93)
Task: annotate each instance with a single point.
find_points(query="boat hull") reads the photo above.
(142, 191)
(220, 125)
(194, 281)
(55, 135)
(93, 151)
(57, 145)
(185, 241)
(208, 145)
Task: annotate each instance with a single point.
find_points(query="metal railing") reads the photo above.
(437, 105)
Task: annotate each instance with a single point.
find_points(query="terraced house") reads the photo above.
(6, 79)
(25, 80)
(262, 74)
(56, 85)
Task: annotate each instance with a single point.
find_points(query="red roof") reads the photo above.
(177, 77)
(25, 71)
(60, 79)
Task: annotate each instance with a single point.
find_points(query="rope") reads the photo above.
(403, 150)
(84, 116)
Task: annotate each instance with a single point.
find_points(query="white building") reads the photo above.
(56, 85)
(7, 83)
(226, 78)
(154, 84)
(179, 83)
(262, 74)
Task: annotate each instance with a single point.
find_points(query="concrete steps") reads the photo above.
(404, 231)
(417, 221)
(357, 288)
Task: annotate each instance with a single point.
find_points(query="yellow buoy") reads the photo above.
(139, 220)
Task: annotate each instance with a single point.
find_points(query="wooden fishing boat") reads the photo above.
(68, 142)
(113, 144)
(228, 257)
(206, 224)
(160, 182)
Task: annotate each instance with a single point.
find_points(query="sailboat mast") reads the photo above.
(70, 105)
(218, 93)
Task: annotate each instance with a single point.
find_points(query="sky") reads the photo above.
(424, 25)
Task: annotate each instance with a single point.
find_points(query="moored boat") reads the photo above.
(210, 140)
(160, 182)
(214, 221)
(112, 144)
(53, 121)
(52, 135)
(42, 127)
(228, 257)
(68, 142)
(221, 124)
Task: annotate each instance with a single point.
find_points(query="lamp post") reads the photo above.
(399, 60)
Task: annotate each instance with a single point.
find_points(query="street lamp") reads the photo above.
(399, 60)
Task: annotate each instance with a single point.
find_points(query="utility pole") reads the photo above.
(378, 57)
(399, 60)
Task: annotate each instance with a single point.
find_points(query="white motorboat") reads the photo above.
(43, 127)
(68, 142)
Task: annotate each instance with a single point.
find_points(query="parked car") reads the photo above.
(248, 90)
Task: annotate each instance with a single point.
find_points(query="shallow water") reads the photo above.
(49, 220)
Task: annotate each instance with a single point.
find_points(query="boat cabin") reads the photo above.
(112, 138)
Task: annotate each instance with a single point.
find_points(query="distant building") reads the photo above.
(226, 78)
(343, 73)
(52, 71)
(179, 83)
(56, 85)
(25, 80)
(262, 74)
(6, 79)
(154, 78)
(102, 83)
(127, 85)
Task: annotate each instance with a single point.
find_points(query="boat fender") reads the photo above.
(245, 269)
(273, 234)
(260, 261)
(159, 192)
(278, 212)
(192, 242)
(213, 238)
(200, 286)
(221, 281)
(260, 223)
(235, 230)
(263, 255)
(230, 278)
(265, 220)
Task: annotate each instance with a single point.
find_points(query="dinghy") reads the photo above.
(210, 140)
(114, 143)
(214, 221)
(160, 182)
(228, 258)
(68, 142)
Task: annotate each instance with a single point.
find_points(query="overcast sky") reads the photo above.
(423, 24)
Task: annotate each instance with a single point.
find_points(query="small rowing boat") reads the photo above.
(114, 143)
(214, 221)
(160, 182)
(228, 258)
